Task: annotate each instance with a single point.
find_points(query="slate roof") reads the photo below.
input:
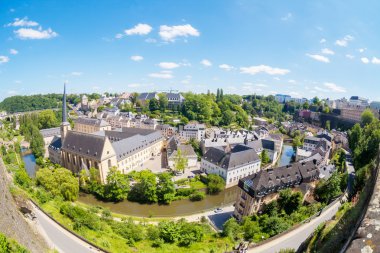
(127, 132)
(91, 122)
(56, 143)
(175, 97)
(84, 144)
(240, 155)
(272, 180)
(50, 132)
(186, 150)
(147, 95)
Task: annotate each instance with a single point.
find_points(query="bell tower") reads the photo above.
(65, 125)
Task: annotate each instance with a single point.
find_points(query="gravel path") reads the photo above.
(12, 222)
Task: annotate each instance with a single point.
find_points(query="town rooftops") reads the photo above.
(175, 97)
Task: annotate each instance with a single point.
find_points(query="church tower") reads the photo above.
(65, 125)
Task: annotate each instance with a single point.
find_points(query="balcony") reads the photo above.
(242, 205)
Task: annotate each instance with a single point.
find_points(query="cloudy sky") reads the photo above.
(302, 48)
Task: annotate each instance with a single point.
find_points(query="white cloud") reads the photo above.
(375, 60)
(350, 56)
(76, 73)
(170, 33)
(134, 85)
(276, 78)
(119, 36)
(334, 88)
(327, 51)
(4, 59)
(253, 70)
(344, 42)
(137, 58)
(162, 75)
(361, 50)
(168, 65)
(322, 41)
(226, 67)
(318, 57)
(365, 60)
(292, 81)
(139, 29)
(13, 51)
(22, 22)
(150, 40)
(206, 63)
(287, 16)
(29, 33)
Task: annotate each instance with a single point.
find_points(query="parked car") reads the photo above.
(218, 210)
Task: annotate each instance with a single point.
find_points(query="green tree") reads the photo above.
(367, 117)
(180, 161)
(228, 117)
(232, 229)
(326, 190)
(165, 188)
(47, 119)
(289, 201)
(215, 183)
(117, 186)
(163, 100)
(154, 104)
(169, 231)
(58, 181)
(145, 190)
(265, 159)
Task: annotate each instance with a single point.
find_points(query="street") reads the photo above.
(58, 237)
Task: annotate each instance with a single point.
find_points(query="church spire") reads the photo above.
(64, 107)
(65, 125)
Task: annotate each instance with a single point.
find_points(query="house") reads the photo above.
(48, 135)
(175, 100)
(259, 189)
(187, 151)
(167, 130)
(231, 164)
(192, 131)
(146, 96)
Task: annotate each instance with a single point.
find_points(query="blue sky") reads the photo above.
(302, 48)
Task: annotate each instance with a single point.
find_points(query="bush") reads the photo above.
(22, 178)
(197, 196)
(158, 243)
(129, 230)
(215, 184)
(81, 217)
(185, 192)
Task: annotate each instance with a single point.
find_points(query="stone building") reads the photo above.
(89, 125)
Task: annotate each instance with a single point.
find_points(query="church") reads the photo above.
(124, 148)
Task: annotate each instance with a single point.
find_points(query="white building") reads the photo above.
(192, 131)
(231, 164)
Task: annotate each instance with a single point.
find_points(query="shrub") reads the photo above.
(197, 196)
(22, 178)
(81, 217)
(215, 184)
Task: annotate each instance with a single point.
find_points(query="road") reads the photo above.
(296, 237)
(58, 237)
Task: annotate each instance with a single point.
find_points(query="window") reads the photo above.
(109, 163)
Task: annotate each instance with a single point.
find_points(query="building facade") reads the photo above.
(231, 164)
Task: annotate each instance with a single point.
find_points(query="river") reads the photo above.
(30, 163)
(176, 208)
(286, 155)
